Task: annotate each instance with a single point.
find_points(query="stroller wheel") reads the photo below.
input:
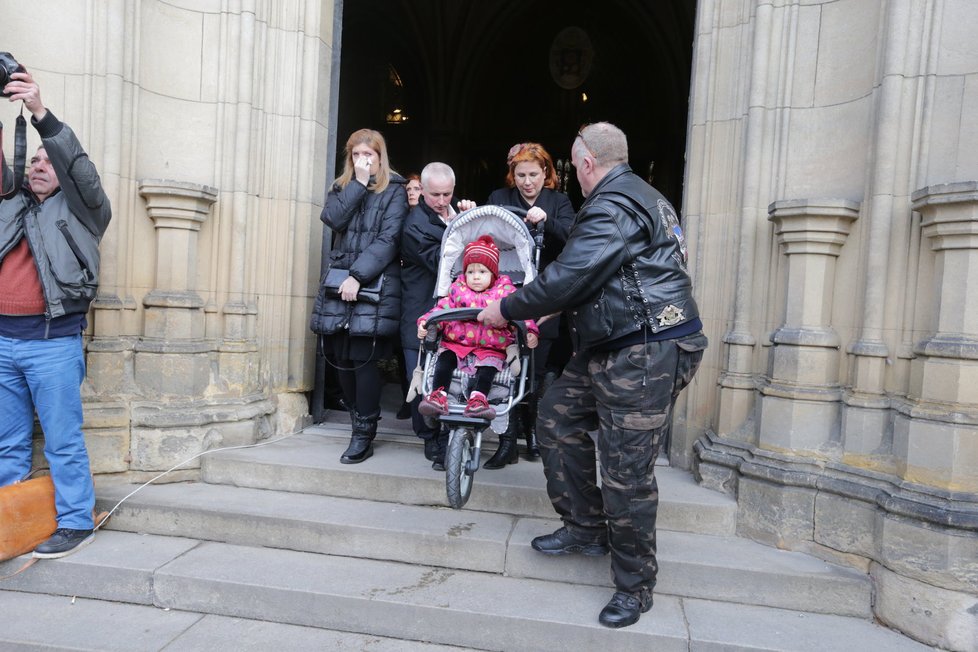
(458, 457)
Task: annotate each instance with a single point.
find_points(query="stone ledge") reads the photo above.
(945, 193)
(947, 619)
(169, 414)
(952, 509)
(920, 541)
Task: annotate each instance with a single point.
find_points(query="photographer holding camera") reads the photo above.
(50, 229)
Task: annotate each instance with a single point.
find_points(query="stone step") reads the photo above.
(397, 472)
(83, 624)
(409, 602)
(692, 565)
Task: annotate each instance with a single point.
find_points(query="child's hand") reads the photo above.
(422, 331)
(532, 340)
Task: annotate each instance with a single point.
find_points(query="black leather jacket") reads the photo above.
(623, 267)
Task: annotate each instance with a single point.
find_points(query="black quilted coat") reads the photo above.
(366, 235)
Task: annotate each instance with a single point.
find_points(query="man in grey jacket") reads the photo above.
(49, 260)
(623, 282)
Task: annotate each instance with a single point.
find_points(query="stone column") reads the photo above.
(800, 403)
(172, 355)
(237, 349)
(879, 352)
(936, 432)
(105, 119)
(737, 378)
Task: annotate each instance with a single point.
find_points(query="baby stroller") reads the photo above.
(519, 255)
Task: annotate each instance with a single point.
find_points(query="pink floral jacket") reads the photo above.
(465, 337)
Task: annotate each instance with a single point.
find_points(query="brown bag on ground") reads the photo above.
(27, 516)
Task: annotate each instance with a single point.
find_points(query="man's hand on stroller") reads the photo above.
(491, 315)
(422, 330)
(532, 340)
(465, 204)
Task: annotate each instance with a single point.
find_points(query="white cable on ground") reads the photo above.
(106, 516)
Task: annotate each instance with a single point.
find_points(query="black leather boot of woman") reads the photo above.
(509, 450)
(361, 443)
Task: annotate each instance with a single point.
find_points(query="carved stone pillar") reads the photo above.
(800, 403)
(172, 355)
(936, 432)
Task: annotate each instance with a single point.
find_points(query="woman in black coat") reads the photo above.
(530, 185)
(365, 209)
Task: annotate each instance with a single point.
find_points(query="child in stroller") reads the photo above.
(513, 259)
(475, 349)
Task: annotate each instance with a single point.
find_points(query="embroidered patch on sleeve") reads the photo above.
(670, 222)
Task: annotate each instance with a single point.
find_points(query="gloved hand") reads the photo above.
(513, 359)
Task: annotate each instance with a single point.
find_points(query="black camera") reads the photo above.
(8, 66)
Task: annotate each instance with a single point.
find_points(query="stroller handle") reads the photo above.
(466, 314)
(535, 229)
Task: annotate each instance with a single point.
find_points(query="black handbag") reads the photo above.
(369, 293)
(335, 276)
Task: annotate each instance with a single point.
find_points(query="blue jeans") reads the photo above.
(46, 376)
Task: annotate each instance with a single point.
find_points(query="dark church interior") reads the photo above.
(462, 81)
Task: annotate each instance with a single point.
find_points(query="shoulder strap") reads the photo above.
(20, 155)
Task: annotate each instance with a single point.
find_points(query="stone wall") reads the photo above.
(208, 123)
(831, 200)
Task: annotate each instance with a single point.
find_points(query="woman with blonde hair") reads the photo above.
(365, 210)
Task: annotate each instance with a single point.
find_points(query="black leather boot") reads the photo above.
(361, 443)
(509, 450)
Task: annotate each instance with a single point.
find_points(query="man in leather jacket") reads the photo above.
(638, 341)
(49, 260)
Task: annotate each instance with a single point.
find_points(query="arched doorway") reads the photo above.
(461, 82)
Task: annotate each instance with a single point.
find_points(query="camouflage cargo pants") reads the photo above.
(627, 396)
